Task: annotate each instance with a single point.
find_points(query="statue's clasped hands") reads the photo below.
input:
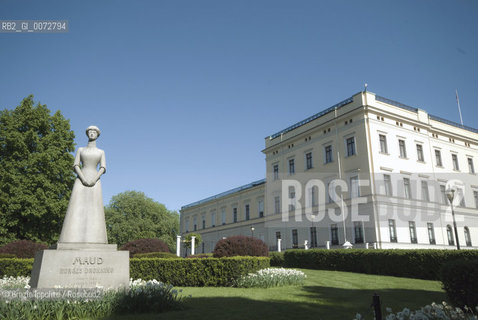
(88, 183)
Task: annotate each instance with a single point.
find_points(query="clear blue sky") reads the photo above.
(185, 91)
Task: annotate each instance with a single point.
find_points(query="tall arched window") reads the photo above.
(449, 233)
(467, 237)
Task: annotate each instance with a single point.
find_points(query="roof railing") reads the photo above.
(452, 123)
(395, 103)
(311, 118)
(225, 193)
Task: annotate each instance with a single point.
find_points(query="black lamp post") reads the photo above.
(252, 231)
(451, 195)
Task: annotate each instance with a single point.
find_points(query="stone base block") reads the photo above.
(70, 268)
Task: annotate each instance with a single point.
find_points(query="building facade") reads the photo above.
(368, 171)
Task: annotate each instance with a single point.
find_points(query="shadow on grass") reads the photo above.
(312, 302)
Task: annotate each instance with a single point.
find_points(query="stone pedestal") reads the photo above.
(81, 265)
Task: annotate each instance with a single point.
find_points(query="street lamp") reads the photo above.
(450, 194)
(252, 231)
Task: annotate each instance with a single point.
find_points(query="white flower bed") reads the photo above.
(14, 283)
(18, 299)
(271, 277)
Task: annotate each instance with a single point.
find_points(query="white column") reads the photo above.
(178, 246)
(375, 245)
(306, 245)
(193, 244)
(327, 244)
(366, 245)
(278, 245)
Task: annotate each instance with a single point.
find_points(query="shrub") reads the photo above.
(271, 277)
(460, 281)
(145, 245)
(200, 255)
(277, 259)
(7, 255)
(15, 267)
(421, 264)
(240, 246)
(23, 248)
(196, 272)
(163, 255)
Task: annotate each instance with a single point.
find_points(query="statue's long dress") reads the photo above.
(85, 216)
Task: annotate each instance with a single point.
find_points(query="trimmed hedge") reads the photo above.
(196, 272)
(164, 255)
(15, 267)
(421, 264)
(200, 255)
(277, 259)
(460, 281)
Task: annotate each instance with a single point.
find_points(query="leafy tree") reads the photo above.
(36, 173)
(188, 241)
(131, 215)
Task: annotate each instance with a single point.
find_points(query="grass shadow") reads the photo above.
(312, 302)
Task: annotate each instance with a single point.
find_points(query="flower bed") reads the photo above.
(271, 277)
(18, 301)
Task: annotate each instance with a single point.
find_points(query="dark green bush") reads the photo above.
(196, 272)
(460, 281)
(15, 267)
(277, 259)
(178, 272)
(421, 264)
(240, 246)
(164, 255)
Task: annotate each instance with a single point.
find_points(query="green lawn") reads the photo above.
(325, 295)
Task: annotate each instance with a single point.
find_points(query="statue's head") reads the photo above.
(93, 132)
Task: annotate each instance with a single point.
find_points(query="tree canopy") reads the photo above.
(36, 173)
(131, 215)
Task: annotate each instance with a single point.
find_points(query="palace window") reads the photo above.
(291, 166)
(350, 142)
(383, 143)
(403, 149)
(449, 234)
(471, 167)
(467, 237)
(438, 158)
(454, 159)
(328, 154)
(431, 233)
(393, 230)
(358, 231)
(420, 153)
(308, 160)
(334, 234)
(413, 231)
(407, 188)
